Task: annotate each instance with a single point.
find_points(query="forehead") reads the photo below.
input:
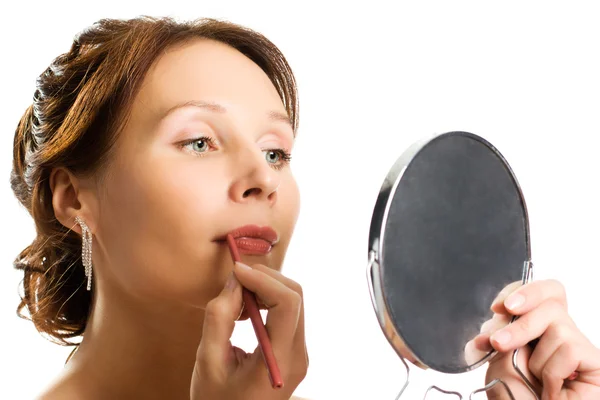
(209, 71)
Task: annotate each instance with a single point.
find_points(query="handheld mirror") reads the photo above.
(449, 231)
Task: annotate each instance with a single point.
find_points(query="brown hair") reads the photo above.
(81, 103)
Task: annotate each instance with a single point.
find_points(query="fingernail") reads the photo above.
(497, 300)
(501, 337)
(485, 327)
(242, 266)
(501, 294)
(514, 301)
(231, 282)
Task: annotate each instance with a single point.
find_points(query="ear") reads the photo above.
(71, 199)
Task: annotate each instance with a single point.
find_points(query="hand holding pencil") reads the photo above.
(280, 362)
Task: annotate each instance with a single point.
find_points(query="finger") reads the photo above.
(219, 321)
(472, 354)
(532, 295)
(529, 326)
(293, 285)
(300, 369)
(498, 303)
(560, 365)
(497, 322)
(482, 342)
(551, 340)
(245, 314)
(284, 303)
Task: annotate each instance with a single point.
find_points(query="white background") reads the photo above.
(373, 79)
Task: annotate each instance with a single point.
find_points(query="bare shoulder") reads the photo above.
(59, 393)
(63, 388)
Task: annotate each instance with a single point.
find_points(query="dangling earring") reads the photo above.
(86, 250)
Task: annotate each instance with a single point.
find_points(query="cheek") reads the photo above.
(289, 209)
(290, 200)
(156, 229)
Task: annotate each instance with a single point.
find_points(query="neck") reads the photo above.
(138, 350)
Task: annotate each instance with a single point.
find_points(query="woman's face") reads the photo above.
(184, 176)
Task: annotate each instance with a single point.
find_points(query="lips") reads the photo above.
(254, 240)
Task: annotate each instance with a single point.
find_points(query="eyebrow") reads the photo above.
(275, 116)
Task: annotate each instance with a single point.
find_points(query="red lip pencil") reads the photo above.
(259, 328)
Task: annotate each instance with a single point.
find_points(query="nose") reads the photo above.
(255, 179)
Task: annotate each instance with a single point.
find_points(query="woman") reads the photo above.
(144, 147)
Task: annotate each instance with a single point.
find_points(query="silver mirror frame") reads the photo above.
(375, 278)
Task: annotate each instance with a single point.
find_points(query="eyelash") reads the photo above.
(285, 157)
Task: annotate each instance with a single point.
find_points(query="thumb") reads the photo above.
(215, 348)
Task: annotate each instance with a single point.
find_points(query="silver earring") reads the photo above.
(86, 250)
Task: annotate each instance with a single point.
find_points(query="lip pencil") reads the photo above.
(259, 328)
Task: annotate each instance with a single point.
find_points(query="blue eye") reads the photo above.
(199, 145)
(272, 156)
(278, 158)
